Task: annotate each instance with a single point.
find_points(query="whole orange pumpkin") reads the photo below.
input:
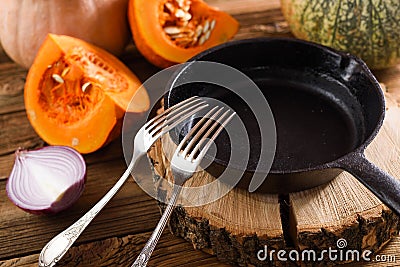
(24, 24)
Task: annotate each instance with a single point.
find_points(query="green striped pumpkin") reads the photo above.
(369, 29)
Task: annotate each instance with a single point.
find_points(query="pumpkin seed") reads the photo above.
(57, 78)
(172, 30)
(170, 7)
(187, 16)
(180, 3)
(85, 86)
(212, 25)
(65, 71)
(202, 40)
(32, 114)
(206, 26)
(75, 141)
(182, 35)
(184, 41)
(194, 41)
(180, 13)
(207, 35)
(187, 5)
(199, 31)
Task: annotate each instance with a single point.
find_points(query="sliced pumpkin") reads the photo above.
(167, 32)
(76, 94)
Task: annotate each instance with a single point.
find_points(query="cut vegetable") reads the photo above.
(76, 94)
(167, 32)
(46, 180)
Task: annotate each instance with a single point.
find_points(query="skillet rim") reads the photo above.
(260, 40)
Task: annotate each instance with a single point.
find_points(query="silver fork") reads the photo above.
(55, 249)
(184, 163)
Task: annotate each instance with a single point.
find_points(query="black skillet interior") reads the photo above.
(318, 98)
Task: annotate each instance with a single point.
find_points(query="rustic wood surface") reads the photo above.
(117, 235)
(235, 226)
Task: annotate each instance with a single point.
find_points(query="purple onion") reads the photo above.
(47, 180)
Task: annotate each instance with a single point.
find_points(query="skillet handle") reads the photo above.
(383, 185)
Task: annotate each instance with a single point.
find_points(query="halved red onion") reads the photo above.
(46, 180)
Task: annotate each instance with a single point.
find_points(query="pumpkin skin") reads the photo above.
(24, 24)
(367, 29)
(76, 94)
(147, 20)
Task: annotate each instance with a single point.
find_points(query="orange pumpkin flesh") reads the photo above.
(76, 94)
(167, 32)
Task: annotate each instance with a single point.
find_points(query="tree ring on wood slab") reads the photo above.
(236, 227)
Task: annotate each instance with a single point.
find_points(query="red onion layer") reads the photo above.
(46, 180)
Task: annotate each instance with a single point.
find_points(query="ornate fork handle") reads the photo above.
(59, 245)
(53, 251)
(148, 249)
(144, 138)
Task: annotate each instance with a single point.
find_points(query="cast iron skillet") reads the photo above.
(327, 106)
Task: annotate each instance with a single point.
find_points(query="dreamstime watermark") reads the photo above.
(339, 253)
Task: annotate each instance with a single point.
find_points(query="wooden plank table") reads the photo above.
(117, 235)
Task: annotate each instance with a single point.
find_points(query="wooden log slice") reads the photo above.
(237, 226)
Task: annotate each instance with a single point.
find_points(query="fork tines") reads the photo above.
(174, 115)
(192, 144)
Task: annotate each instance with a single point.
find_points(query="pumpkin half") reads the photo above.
(76, 94)
(368, 29)
(167, 32)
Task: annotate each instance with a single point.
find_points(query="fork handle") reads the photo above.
(56, 248)
(144, 256)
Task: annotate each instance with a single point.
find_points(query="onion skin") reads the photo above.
(59, 169)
